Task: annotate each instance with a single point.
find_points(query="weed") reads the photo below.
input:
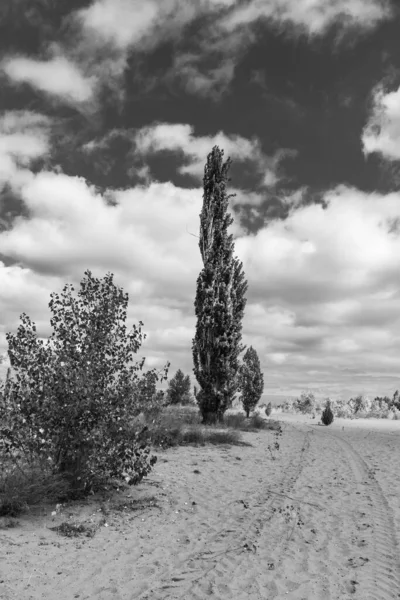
(10, 523)
(275, 446)
(235, 421)
(222, 437)
(26, 484)
(239, 421)
(75, 530)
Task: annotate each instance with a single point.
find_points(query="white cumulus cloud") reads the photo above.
(181, 138)
(382, 132)
(24, 136)
(57, 77)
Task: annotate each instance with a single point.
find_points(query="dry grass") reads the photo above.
(255, 422)
(179, 426)
(26, 485)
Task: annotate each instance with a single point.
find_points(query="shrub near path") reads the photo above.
(67, 411)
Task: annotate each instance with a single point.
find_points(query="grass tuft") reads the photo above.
(26, 486)
(239, 421)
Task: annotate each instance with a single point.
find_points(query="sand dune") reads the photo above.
(320, 522)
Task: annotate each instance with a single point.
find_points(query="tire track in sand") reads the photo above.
(373, 571)
(381, 579)
(232, 561)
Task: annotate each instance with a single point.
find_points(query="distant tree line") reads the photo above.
(358, 406)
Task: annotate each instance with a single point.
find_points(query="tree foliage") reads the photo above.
(327, 414)
(360, 404)
(268, 409)
(179, 389)
(73, 400)
(220, 301)
(251, 381)
(306, 403)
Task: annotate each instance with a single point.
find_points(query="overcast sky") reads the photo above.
(108, 109)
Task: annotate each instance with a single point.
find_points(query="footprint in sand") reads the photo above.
(351, 586)
(359, 561)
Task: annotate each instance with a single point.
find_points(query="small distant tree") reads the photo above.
(396, 400)
(179, 389)
(268, 409)
(73, 399)
(251, 381)
(359, 404)
(306, 403)
(384, 402)
(327, 414)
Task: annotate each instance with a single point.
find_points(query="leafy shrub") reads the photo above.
(239, 421)
(395, 414)
(257, 422)
(165, 437)
(68, 405)
(235, 421)
(306, 403)
(327, 415)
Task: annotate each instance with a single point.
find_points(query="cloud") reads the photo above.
(345, 249)
(313, 18)
(180, 138)
(210, 84)
(57, 77)
(24, 137)
(382, 132)
(122, 22)
(81, 227)
(324, 285)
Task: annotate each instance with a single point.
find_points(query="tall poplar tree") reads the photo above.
(220, 301)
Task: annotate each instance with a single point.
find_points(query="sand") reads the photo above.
(320, 522)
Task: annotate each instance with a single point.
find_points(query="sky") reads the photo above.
(108, 110)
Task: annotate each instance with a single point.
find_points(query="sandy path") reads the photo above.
(355, 545)
(322, 521)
